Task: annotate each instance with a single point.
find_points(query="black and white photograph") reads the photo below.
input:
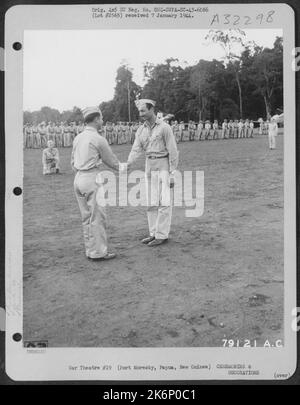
(153, 188)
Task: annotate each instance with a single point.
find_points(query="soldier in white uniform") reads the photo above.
(157, 140)
(272, 132)
(89, 150)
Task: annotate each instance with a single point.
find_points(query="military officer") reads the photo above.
(157, 140)
(89, 150)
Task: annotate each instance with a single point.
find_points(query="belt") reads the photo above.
(93, 169)
(157, 157)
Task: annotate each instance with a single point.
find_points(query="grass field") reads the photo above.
(220, 276)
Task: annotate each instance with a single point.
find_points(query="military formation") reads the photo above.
(62, 134)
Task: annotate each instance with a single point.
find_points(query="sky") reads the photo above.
(63, 69)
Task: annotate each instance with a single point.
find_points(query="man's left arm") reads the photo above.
(171, 147)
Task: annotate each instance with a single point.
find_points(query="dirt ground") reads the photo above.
(219, 277)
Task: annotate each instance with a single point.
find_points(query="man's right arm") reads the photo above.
(136, 149)
(107, 155)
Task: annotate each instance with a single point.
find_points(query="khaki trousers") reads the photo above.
(272, 140)
(93, 215)
(159, 207)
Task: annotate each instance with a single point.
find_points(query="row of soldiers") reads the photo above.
(205, 130)
(63, 134)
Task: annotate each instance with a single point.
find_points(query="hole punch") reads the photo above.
(17, 191)
(17, 46)
(17, 337)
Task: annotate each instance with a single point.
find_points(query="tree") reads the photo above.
(161, 84)
(266, 72)
(233, 42)
(126, 92)
(76, 115)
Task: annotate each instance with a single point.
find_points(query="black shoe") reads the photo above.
(145, 241)
(157, 242)
(108, 256)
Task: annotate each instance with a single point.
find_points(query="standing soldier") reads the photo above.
(199, 130)
(241, 129)
(127, 132)
(266, 127)
(230, 129)
(89, 150)
(260, 129)
(24, 135)
(176, 131)
(72, 132)
(156, 139)
(58, 135)
(108, 132)
(181, 130)
(36, 138)
(117, 133)
(215, 129)
(191, 130)
(50, 132)
(28, 136)
(67, 135)
(251, 128)
(272, 132)
(235, 128)
(43, 134)
(113, 133)
(246, 126)
(224, 129)
(207, 129)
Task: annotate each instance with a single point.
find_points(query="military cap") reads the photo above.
(144, 101)
(90, 110)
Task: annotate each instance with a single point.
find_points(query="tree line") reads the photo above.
(247, 85)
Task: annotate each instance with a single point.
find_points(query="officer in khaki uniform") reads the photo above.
(157, 140)
(90, 149)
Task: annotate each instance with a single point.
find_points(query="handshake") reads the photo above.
(123, 167)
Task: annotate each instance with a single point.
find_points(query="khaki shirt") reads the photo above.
(156, 141)
(273, 128)
(90, 149)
